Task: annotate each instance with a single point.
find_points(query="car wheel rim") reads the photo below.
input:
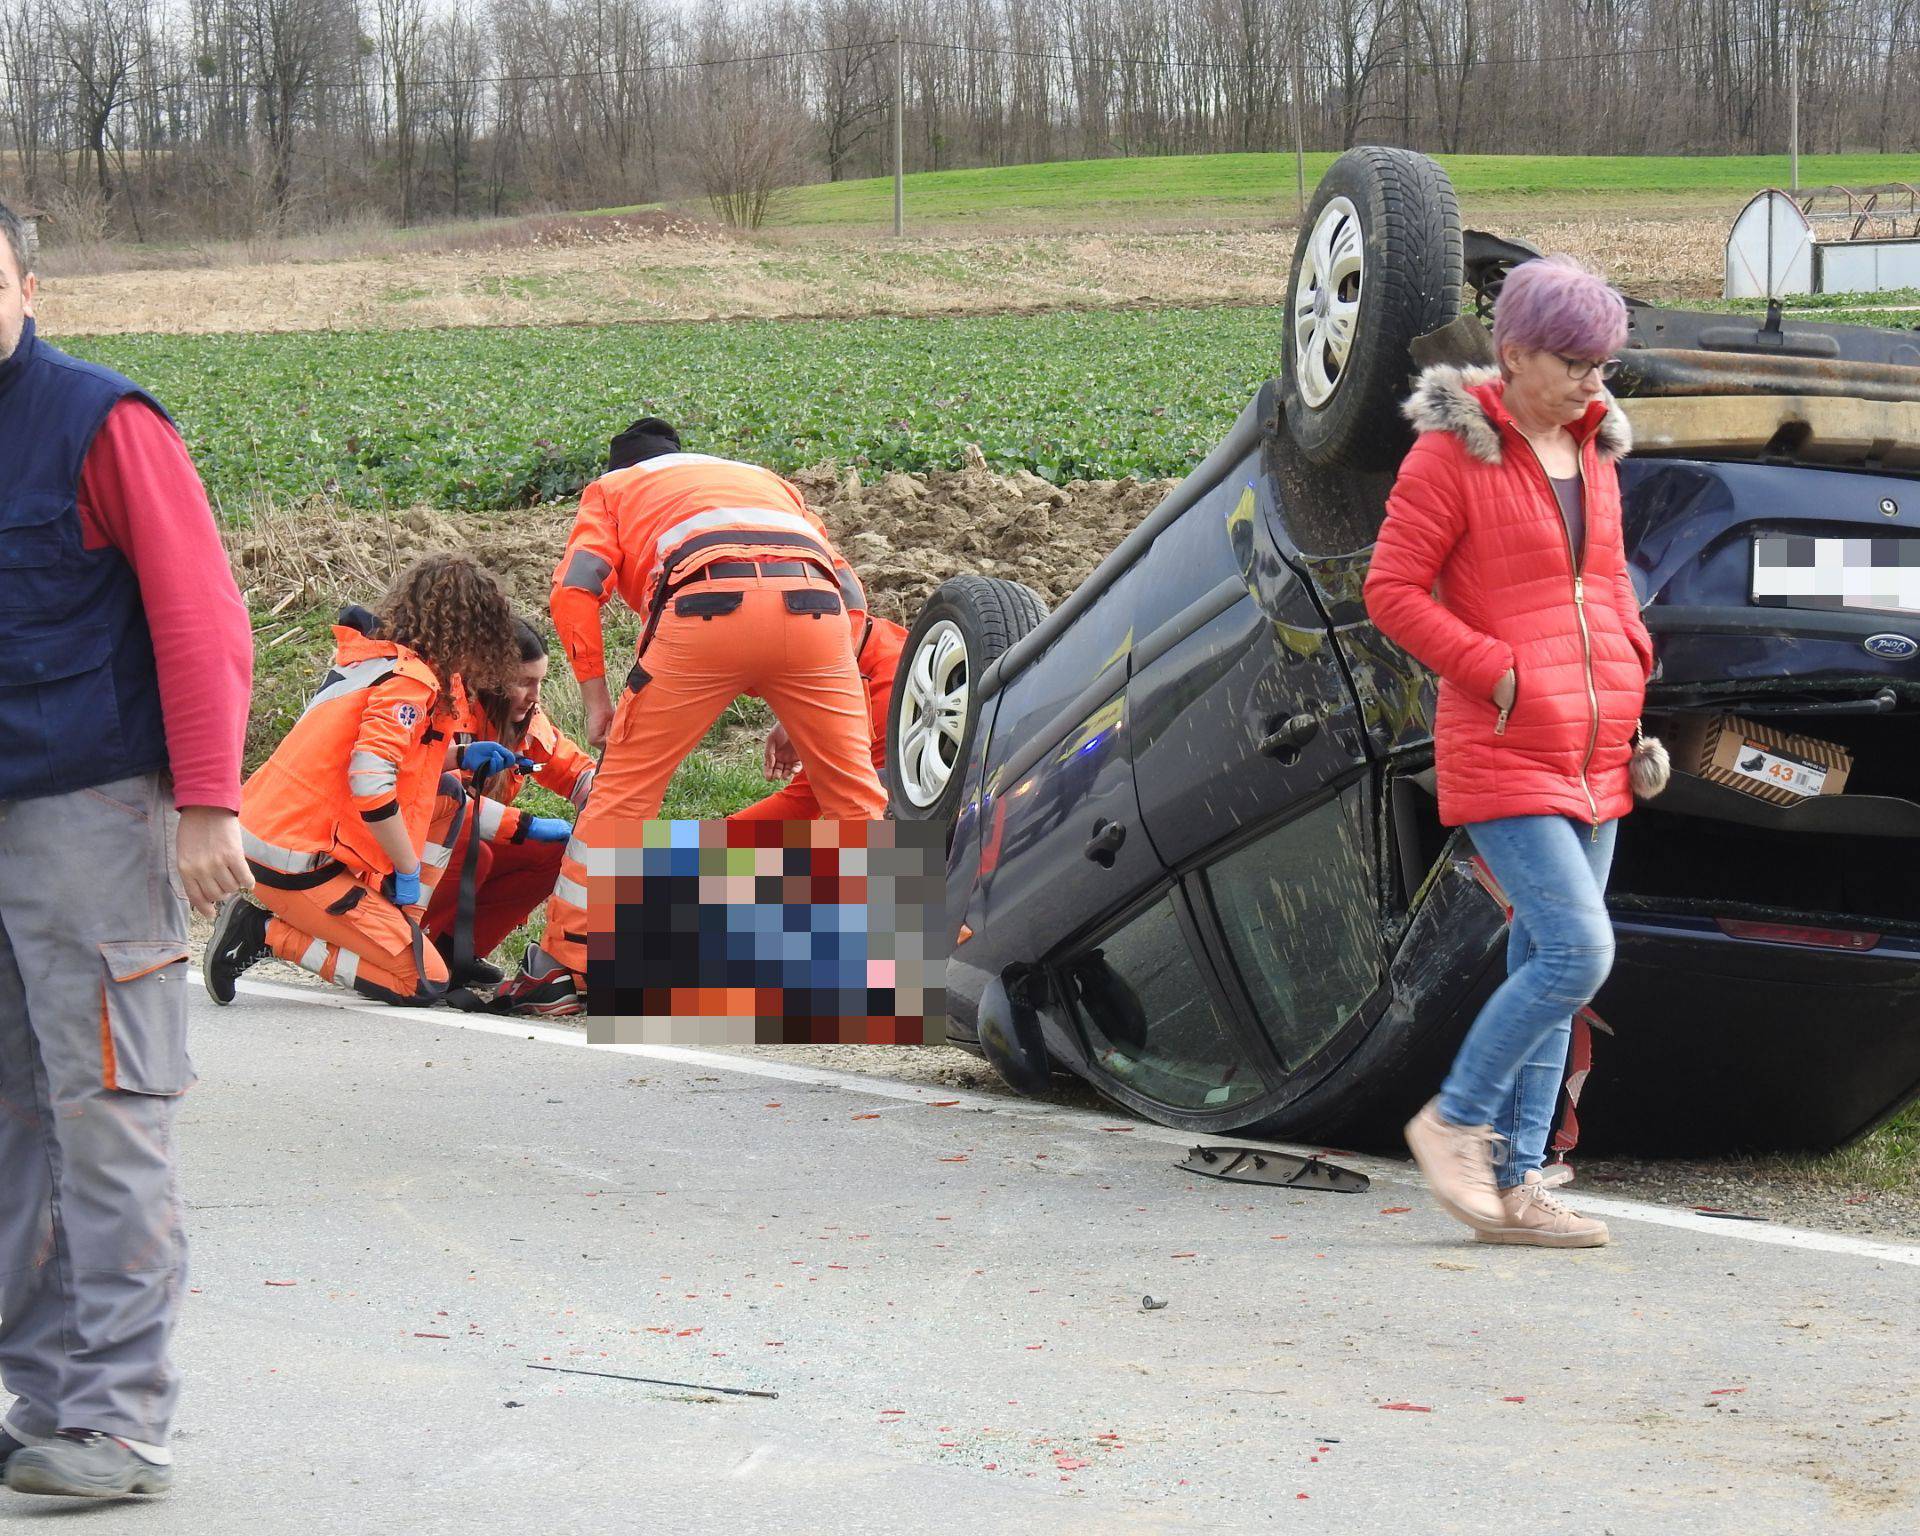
(933, 715)
(1326, 301)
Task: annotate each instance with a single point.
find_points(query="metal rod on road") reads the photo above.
(654, 1381)
(899, 136)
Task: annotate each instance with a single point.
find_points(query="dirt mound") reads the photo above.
(561, 232)
(904, 534)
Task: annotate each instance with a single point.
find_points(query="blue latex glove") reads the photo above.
(486, 758)
(406, 888)
(548, 829)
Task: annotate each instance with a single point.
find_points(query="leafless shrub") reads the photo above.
(748, 150)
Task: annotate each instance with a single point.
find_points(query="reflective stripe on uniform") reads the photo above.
(587, 572)
(346, 970)
(370, 774)
(675, 460)
(743, 518)
(488, 816)
(286, 861)
(354, 677)
(436, 855)
(570, 891)
(582, 786)
(314, 958)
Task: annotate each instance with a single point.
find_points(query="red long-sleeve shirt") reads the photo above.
(140, 494)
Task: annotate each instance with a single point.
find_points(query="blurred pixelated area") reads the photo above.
(769, 933)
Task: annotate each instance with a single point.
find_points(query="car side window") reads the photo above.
(1149, 1017)
(1298, 910)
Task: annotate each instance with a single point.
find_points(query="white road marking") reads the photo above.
(1382, 1170)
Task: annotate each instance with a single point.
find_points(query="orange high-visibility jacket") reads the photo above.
(670, 515)
(878, 655)
(371, 744)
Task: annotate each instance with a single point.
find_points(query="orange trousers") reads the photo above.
(344, 931)
(784, 638)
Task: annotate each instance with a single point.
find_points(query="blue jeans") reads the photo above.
(1511, 1065)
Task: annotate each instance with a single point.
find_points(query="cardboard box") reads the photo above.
(1756, 759)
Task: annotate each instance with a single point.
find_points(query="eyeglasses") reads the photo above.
(1579, 367)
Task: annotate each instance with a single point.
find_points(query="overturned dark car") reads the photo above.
(1195, 854)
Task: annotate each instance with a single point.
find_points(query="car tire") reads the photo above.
(1377, 264)
(967, 625)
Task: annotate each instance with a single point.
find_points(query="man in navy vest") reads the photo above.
(125, 668)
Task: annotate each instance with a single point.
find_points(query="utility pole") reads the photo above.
(1299, 144)
(899, 135)
(1793, 104)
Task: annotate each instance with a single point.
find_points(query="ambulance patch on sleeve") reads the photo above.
(406, 714)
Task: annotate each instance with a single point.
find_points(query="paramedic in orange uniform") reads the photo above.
(877, 646)
(739, 591)
(335, 822)
(511, 879)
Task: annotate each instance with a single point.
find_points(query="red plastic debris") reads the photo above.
(873, 1116)
(942, 1103)
(280, 1282)
(1395, 1210)
(1408, 1407)
(1726, 1391)
(430, 1335)
(1183, 1255)
(1513, 1399)
(960, 1159)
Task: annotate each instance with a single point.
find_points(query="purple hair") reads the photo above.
(1557, 305)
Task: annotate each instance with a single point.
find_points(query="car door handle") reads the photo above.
(1105, 842)
(1290, 735)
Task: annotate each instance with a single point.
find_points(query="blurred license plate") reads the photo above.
(1871, 575)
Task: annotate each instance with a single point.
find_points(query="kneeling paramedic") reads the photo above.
(336, 823)
(492, 883)
(740, 591)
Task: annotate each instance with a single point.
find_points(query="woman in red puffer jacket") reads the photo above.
(1500, 566)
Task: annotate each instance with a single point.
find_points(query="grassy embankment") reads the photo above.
(1242, 186)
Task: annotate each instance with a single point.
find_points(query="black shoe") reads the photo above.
(470, 973)
(83, 1464)
(551, 996)
(239, 940)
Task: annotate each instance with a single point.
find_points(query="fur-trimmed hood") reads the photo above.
(1467, 403)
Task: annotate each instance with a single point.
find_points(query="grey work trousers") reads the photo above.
(93, 1059)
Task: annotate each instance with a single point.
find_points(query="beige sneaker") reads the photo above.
(1536, 1218)
(1457, 1161)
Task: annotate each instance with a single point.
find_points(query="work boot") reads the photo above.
(1534, 1217)
(1457, 1161)
(84, 1464)
(551, 996)
(239, 940)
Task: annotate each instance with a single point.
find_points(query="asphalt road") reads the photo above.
(396, 1215)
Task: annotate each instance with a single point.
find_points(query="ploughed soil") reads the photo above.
(904, 534)
(640, 267)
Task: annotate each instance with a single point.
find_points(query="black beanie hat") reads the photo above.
(647, 438)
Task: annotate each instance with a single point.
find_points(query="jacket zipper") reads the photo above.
(1580, 612)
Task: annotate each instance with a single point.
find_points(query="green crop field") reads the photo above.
(1245, 185)
(483, 419)
(479, 419)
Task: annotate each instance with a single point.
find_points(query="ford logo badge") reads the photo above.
(1892, 647)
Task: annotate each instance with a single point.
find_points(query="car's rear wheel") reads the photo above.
(1377, 264)
(968, 624)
